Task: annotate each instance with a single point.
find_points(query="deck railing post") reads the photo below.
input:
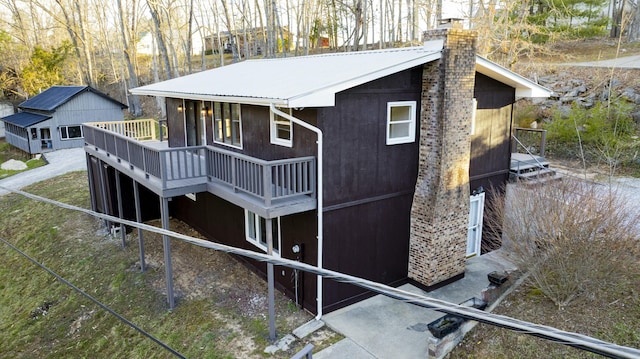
(163, 168)
(266, 184)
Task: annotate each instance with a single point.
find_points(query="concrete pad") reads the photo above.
(283, 344)
(389, 328)
(344, 349)
(308, 328)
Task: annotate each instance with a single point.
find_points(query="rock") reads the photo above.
(14, 165)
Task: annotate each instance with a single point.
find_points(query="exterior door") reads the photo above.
(45, 135)
(474, 235)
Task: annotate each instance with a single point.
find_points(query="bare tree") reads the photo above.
(134, 105)
(154, 9)
(634, 27)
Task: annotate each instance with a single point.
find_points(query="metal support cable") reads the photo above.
(88, 296)
(576, 340)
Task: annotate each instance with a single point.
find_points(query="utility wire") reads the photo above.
(102, 305)
(576, 340)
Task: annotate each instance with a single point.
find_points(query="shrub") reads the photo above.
(602, 133)
(574, 239)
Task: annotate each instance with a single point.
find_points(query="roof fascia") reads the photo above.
(325, 97)
(524, 87)
(192, 96)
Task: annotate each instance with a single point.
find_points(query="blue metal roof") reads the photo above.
(25, 119)
(56, 96)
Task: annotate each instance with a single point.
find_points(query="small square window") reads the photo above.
(401, 122)
(281, 130)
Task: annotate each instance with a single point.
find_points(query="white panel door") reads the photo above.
(474, 235)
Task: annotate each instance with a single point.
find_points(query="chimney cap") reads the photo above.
(450, 22)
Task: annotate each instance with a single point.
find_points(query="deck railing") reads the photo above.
(266, 180)
(532, 140)
(141, 130)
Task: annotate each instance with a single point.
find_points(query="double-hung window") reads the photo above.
(227, 124)
(401, 122)
(70, 132)
(256, 231)
(281, 130)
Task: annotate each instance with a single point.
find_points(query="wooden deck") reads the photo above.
(267, 188)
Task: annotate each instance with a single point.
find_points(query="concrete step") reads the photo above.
(520, 167)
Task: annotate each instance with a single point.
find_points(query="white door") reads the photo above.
(474, 235)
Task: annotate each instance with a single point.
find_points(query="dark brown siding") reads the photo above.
(368, 186)
(223, 222)
(149, 201)
(490, 143)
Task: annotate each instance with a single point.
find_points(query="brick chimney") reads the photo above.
(440, 210)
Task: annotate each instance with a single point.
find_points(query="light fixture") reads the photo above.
(209, 110)
(180, 108)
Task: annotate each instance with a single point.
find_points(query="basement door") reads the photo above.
(474, 234)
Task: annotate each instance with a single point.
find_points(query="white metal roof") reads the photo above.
(312, 81)
(524, 87)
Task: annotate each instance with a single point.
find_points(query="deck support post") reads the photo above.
(103, 191)
(271, 293)
(166, 245)
(123, 232)
(136, 195)
(92, 189)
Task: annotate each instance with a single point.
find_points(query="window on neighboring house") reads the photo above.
(227, 124)
(34, 133)
(401, 122)
(281, 130)
(255, 229)
(70, 132)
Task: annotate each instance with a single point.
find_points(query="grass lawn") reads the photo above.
(8, 152)
(221, 306)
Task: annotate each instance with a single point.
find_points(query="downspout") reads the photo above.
(318, 132)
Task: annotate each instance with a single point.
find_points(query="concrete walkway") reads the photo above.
(381, 327)
(58, 163)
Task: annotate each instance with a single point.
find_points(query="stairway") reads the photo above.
(531, 169)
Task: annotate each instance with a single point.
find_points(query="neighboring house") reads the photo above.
(147, 43)
(53, 119)
(389, 191)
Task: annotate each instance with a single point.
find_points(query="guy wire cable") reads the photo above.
(555, 335)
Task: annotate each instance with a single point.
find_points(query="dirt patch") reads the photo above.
(240, 295)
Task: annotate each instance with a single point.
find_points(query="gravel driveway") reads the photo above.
(58, 163)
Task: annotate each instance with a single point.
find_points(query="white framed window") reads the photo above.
(70, 132)
(401, 122)
(281, 130)
(473, 117)
(227, 124)
(255, 231)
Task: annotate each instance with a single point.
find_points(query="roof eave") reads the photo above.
(525, 88)
(141, 91)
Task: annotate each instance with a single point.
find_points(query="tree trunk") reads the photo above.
(162, 48)
(134, 104)
(634, 28)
